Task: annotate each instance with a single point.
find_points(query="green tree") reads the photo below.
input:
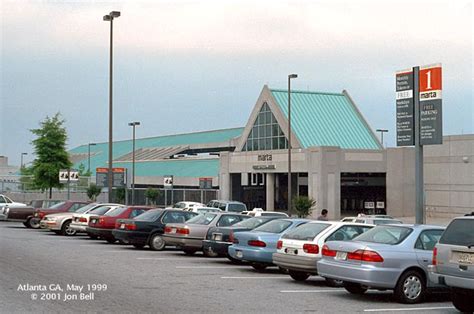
(152, 195)
(119, 194)
(93, 191)
(51, 154)
(303, 206)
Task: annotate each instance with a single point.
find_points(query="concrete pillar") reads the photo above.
(224, 177)
(270, 192)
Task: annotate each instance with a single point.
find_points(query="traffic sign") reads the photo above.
(168, 182)
(405, 108)
(68, 175)
(431, 122)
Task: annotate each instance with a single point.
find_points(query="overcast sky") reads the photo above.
(183, 66)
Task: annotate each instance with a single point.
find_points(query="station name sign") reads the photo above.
(265, 157)
(430, 105)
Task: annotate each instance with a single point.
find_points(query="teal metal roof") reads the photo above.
(176, 167)
(326, 119)
(99, 152)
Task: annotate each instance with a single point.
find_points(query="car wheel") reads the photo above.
(354, 288)
(410, 288)
(333, 282)
(210, 253)
(66, 229)
(462, 301)
(32, 224)
(189, 251)
(298, 275)
(110, 240)
(138, 246)
(259, 267)
(157, 243)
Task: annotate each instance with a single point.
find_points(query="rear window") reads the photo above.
(115, 212)
(100, 210)
(251, 223)
(236, 208)
(274, 214)
(274, 226)
(149, 215)
(306, 232)
(459, 232)
(58, 205)
(85, 208)
(203, 219)
(385, 234)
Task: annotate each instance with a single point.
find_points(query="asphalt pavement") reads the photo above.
(43, 272)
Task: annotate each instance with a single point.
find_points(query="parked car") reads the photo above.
(257, 246)
(6, 204)
(47, 203)
(148, 228)
(258, 212)
(80, 221)
(189, 235)
(300, 249)
(187, 205)
(453, 262)
(394, 257)
(218, 239)
(228, 206)
(102, 226)
(65, 206)
(20, 213)
(59, 222)
(373, 219)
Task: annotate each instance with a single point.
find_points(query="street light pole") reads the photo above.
(291, 76)
(382, 131)
(110, 18)
(21, 163)
(89, 157)
(133, 125)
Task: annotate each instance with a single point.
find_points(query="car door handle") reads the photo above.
(426, 260)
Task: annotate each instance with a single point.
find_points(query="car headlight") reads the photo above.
(36, 215)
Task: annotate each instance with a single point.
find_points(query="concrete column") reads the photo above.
(224, 177)
(270, 192)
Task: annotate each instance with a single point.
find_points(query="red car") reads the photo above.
(102, 226)
(65, 206)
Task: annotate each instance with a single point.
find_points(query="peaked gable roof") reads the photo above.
(326, 119)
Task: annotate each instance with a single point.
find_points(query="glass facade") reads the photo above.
(266, 133)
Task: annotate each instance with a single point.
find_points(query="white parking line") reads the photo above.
(411, 309)
(254, 277)
(98, 245)
(168, 258)
(310, 291)
(206, 267)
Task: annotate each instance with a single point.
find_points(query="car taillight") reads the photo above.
(328, 252)
(101, 221)
(82, 219)
(256, 243)
(311, 248)
(365, 256)
(168, 229)
(435, 256)
(131, 226)
(182, 230)
(279, 244)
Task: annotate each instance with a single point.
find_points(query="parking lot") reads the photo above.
(119, 278)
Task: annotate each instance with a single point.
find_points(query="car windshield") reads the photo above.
(306, 232)
(179, 205)
(274, 226)
(85, 208)
(459, 232)
(385, 234)
(115, 212)
(58, 205)
(149, 215)
(251, 223)
(236, 208)
(100, 210)
(203, 219)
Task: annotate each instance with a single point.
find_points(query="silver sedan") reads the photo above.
(394, 257)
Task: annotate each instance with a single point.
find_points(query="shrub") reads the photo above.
(303, 206)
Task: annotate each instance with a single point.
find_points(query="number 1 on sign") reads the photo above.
(428, 80)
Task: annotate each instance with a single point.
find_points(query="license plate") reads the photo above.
(122, 226)
(239, 254)
(466, 258)
(291, 251)
(217, 236)
(341, 256)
